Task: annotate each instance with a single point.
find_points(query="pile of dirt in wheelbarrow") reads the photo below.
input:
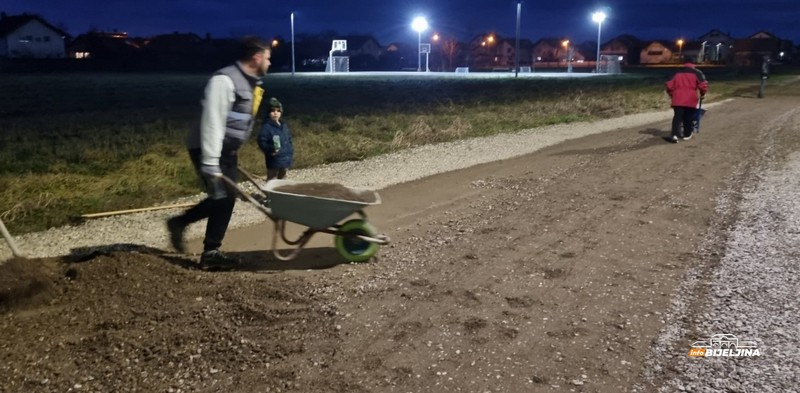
(328, 190)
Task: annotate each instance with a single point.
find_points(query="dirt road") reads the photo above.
(551, 272)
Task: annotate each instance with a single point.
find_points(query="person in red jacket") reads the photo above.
(683, 89)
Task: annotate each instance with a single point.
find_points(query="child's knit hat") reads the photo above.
(274, 103)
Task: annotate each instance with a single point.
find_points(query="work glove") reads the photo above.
(212, 178)
(211, 170)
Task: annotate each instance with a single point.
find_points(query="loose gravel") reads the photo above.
(751, 292)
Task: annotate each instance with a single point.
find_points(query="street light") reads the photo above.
(701, 57)
(419, 24)
(516, 42)
(568, 51)
(435, 38)
(598, 17)
(680, 49)
(292, 17)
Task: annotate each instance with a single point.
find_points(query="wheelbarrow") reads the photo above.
(698, 115)
(355, 239)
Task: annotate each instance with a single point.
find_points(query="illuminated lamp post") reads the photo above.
(489, 42)
(568, 50)
(680, 50)
(419, 24)
(435, 38)
(292, 20)
(598, 17)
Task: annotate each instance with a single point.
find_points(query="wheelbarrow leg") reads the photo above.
(280, 227)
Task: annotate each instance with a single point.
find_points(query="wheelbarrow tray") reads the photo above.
(312, 211)
(698, 115)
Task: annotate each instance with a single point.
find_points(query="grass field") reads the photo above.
(80, 143)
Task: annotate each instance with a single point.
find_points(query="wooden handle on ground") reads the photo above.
(10, 240)
(144, 209)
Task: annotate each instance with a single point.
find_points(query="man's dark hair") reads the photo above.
(251, 45)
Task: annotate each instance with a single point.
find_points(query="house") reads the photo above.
(29, 36)
(658, 52)
(364, 52)
(549, 50)
(177, 51)
(626, 46)
(506, 53)
(358, 45)
(103, 46)
(717, 46)
(693, 50)
(750, 51)
(486, 51)
(584, 52)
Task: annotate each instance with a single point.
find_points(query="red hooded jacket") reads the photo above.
(684, 85)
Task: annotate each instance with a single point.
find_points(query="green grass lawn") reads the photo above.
(72, 144)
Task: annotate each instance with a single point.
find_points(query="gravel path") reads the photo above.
(375, 173)
(751, 292)
(760, 255)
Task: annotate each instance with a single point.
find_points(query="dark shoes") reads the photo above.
(175, 229)
(216, 260)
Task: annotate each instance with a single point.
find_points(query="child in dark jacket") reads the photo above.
(275, 140)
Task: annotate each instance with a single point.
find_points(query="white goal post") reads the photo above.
(338, 63)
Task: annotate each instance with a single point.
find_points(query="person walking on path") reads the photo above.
(275, 141)
(683, 90)
(232, 97)
(764, 76)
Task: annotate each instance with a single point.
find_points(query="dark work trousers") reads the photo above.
(277, 173)
(218, 211)
(683, 115)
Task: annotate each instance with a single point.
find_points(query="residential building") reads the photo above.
(549, 50)
(717, 46)
(98, 45)
(750, 51)
(29, 36)
(658, 52)
(486, 51)
(626, 46)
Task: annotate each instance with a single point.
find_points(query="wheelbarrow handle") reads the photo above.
(246, 195)
(252, 179)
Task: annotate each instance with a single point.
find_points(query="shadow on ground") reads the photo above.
(658, 139)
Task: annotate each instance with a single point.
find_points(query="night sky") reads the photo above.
(389, 20)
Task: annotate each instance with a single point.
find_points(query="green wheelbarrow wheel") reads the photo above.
(354, 249)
